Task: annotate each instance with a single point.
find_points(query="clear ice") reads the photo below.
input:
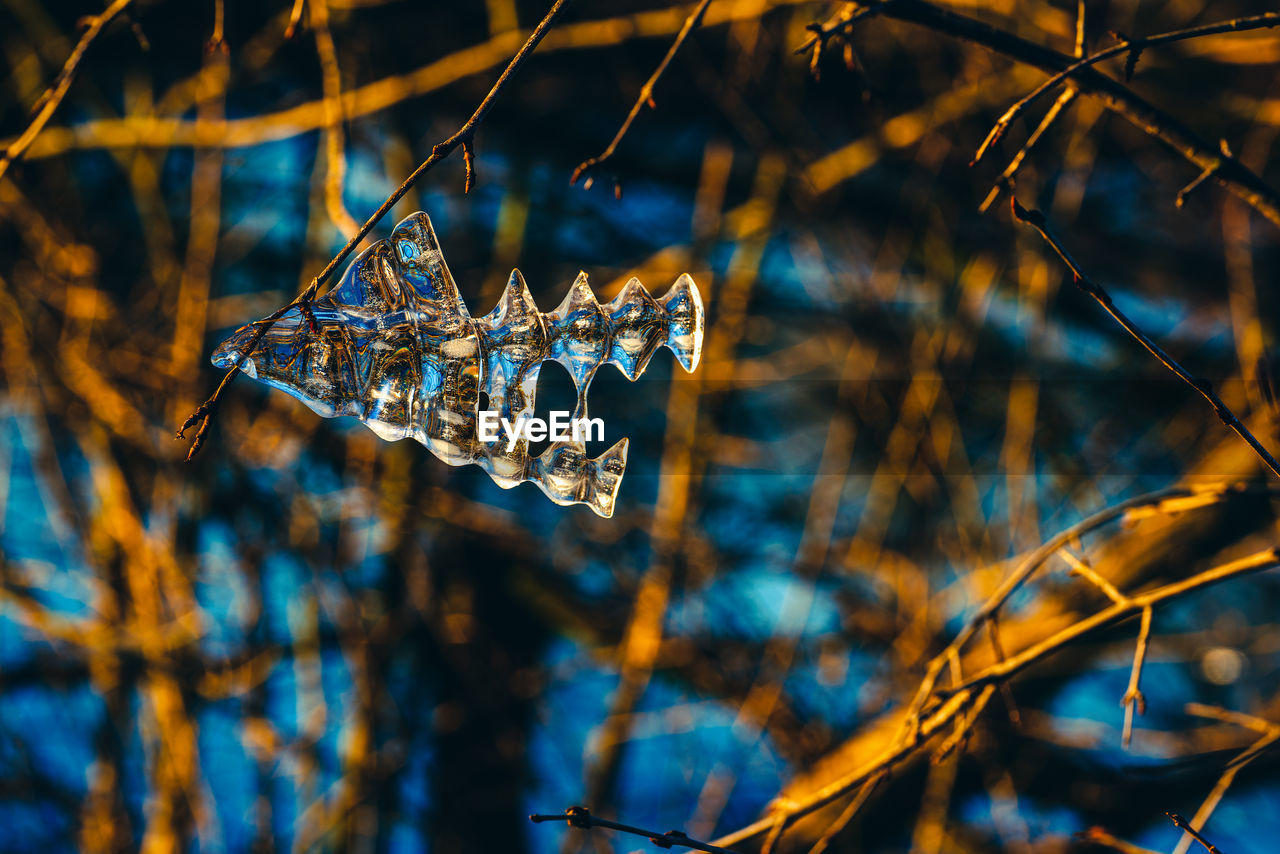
(394, 345)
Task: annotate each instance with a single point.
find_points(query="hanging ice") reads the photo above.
(395, 346)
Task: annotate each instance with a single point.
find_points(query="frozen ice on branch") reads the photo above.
(395, 346)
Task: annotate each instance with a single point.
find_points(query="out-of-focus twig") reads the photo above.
(52, 98)
(1270, 737)
(952, 702)
(581, 817)
(334, 144)
(462, 137)
(645, 96)
(1037, 220)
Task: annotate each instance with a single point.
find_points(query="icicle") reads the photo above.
(397, 348)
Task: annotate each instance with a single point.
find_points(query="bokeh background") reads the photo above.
(309, 639)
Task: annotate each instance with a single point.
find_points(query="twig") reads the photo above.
(52, 98)
(1037, 221)
(295, 19)
(581, 817)
(1182, 823)
(1023, 572)
(1005, 181)
(462, 137)
(850, 810)
(1006, 691)
(1270, 737)
(332, 135)
(1115, 95)
(645, 97)
(1079, 567)
(1130, 46)
(1133, 699)
(959, 699)
(1099, 836)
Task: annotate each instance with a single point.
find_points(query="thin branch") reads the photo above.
(52, 97)
(581, 818)
(1182, 823)
(1116, 96)
(1099, 836)
(850, 810)
(646, 94)
(957, 700)
(1133, 699)
(295, 19)
(1005, 181)
(462, 137)
(1037, 221)
(1079, 567)
(1270, 737)
(333, 138)
(1006, 691)
(1129, 46)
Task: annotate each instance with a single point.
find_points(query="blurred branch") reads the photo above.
(48, 102)
(581, 817)
(167, 130)
(1114, 94)
(334, 146)
(203, 414)
(645, 96)
(935, 709)
(1270, 737)
(1037, 221)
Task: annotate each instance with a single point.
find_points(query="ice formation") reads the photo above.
(394, 345)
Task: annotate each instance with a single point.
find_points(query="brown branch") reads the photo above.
(295, 19)
(1270, 737)
(867, 790)
(645, 97)
(1182, 823)
(1099, 836)
(1115, 95)
(1037, 221)
(581, 818)
(1133, 699)
(1129, 46)
(332, 135)
(52, 97)
(1005, 181)
(958, 700)
(462, 137)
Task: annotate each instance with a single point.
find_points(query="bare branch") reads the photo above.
(52, 98)
(1037, 221)
(463, 136)
(1256, 22)
(581, 817)
(644, 98)
(1182, 823)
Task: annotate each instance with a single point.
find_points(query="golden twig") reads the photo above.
(52, 98)
(957, 700)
